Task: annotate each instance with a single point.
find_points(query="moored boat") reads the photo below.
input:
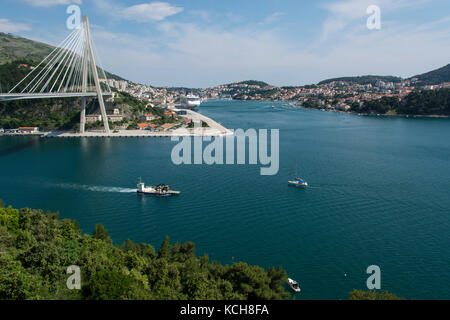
(294, 285)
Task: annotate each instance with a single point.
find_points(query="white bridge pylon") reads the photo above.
(70, 70)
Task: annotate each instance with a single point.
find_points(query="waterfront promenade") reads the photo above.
(215, 129)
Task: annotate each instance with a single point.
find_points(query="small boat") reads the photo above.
(297, 182)
(294, 285)
(161, 190)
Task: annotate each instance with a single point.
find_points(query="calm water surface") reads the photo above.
(379, 195)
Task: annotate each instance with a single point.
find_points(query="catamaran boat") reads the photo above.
(294, 285)
(161, 190)
(297, 182)
(190, 101)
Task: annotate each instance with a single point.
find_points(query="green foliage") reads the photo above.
(124, 98)
(379, 106)
(108, 285)
(311, 104)
(425, 102)
(372, 295)
(36, 248)
(9, 218)
(101, 233)
(164, 250)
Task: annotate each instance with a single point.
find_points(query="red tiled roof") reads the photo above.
(146, 125)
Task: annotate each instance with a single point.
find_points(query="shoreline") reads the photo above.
(215, 129)
(431, 116)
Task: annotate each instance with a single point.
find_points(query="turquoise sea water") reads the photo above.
(379, 195)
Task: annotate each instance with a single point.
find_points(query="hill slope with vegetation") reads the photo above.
(437, 76)
(424, 102)
(13, 48)
(36, 248)
(363, 80)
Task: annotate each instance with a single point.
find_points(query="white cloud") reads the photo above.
(154, 11)
(50, 3)
(344, 12)
(274, 17)
(10, 27)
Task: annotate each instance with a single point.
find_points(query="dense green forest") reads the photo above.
(425, 102)
(437, 76)
(363, 80)
(36, 248)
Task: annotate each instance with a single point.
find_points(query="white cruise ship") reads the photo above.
(190, 101)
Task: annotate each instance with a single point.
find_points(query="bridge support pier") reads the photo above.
(83, 115)
(90, 52)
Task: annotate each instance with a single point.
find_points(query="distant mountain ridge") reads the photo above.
(363, 80)
(261, 84)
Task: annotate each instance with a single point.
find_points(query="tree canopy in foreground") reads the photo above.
(36, 248)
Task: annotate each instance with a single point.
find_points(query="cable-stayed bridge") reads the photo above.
(70, 70)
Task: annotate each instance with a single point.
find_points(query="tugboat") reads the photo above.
(297, 182)
(294, 285)
(161, 190)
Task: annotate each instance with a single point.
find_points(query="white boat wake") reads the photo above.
(96, 188)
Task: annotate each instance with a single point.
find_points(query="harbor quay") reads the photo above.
(214, 129)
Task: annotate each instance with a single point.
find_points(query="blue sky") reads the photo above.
(202, 43)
